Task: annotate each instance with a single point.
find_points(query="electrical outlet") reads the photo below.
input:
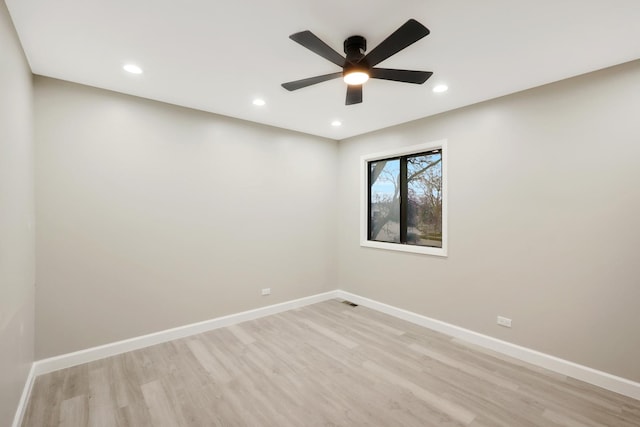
(504, 321)
(266, 291)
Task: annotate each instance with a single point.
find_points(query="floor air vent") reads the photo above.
(352, 304)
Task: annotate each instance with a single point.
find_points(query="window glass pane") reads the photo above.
(424, 208)
(384, 182)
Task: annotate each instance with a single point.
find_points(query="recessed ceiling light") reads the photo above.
(440, 88)
(259, 102)
(132, 68)
(336, 123)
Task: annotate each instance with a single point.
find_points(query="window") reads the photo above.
(404, 199)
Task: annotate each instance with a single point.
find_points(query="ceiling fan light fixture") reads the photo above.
(356, 77)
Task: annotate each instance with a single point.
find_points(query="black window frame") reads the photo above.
(403, 196)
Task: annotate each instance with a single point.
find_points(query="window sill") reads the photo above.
(423, 250)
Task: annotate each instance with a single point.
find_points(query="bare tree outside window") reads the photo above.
(424, 201)
(385, 200)
(405, 199)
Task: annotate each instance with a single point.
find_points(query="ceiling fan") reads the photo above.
(357, 67)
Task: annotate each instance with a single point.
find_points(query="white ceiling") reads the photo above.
(218, 56)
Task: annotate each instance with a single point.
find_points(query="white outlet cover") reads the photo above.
(266, 291)
(504, 321)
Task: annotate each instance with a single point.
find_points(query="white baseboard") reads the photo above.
(589, 375)
(24, 398)
(68, 360)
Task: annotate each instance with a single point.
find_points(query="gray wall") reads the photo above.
(544, 204)
(16, 219)
(152, 216)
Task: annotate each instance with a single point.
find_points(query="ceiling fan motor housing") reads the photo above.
(354, 48)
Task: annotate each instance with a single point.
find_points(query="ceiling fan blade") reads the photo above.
(314, 44)
(354, 94)
(406, 76)
(299, 84)
(409, 33)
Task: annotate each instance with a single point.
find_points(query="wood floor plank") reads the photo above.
(102, 406)
(488, 376)
(73, 412)
(330, 334)
(209, 362)
(328, 364)
(43, 409)
(569, 421)
(451, 409)
(161, 409)
(241, 334)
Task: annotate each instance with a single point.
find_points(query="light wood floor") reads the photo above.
(328, 364)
